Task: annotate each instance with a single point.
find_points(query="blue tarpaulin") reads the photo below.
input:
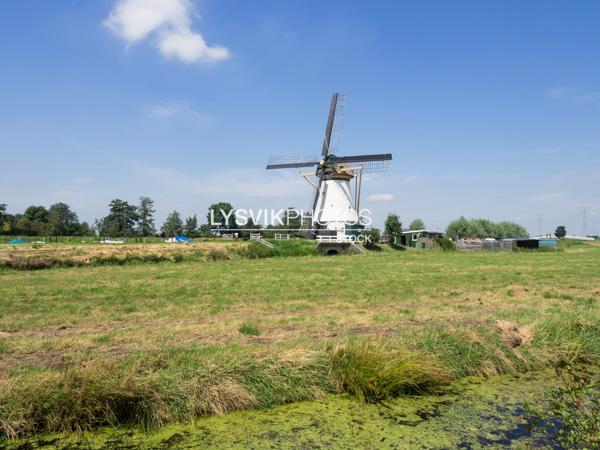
(182, 239)
(17, 241)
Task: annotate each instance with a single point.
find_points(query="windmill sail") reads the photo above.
(338, 122)
(376, 163)
(361, 158)
(329, 128)
(290, 162)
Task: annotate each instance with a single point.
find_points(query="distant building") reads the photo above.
(419, 238)
(507, 244)
(543, 242)
(484, 244)
(579, 238)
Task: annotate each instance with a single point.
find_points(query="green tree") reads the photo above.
(560, 232)
(173, 225)
(371, 238)
(86, 230)
(36, 214)
(190, 228)
(458, 228)
(120, 221)
(292, 219)
(205, 230)
(476, 229)
(34, 221)
(507, 229)
(145, 212)
(486, 228)
(29, 228)
(62, 221)
(483, 228)
(248, 227)
(393, 228)
(221, 215)
(417, 224)
(5, 226)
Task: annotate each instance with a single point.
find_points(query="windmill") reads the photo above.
(335, 208)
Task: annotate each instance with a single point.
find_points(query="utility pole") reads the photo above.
(584, 210)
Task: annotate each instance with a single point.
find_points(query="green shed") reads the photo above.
(419, 238)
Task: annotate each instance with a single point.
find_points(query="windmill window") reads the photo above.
(415, 237)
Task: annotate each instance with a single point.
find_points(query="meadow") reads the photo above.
(160, 341)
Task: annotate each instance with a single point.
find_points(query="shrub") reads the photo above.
(446, 244)
(250, 329)
(372, 371)
(571, 416)
(255, 250)
(371, 238)
(217, 255)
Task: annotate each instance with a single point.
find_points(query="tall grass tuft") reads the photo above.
(571, 338)
(373, 371)
(479, 351)
(249, 328)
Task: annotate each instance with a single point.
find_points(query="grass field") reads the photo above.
(157, 343)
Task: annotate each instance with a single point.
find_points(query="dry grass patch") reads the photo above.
(31, 258)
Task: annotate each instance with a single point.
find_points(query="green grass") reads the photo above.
(249, 329)
(374, 371)
(163, 342)
(291, 247)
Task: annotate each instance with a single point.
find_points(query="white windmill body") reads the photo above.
(335, 209)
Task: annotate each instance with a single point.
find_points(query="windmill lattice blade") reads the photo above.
(329, 128)
(289, 162)
(363, 158)
(338, 123)
(368, 166)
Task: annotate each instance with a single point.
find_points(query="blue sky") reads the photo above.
(491, 109)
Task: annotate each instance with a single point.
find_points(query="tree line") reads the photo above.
(462, 228)
(57, 220)
(125, 219)
(483, 228)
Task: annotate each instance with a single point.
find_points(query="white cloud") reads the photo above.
(380, 197)
(248, 183)
(161, 111)
(588, 97)
(546, 197)
(575, 94)
(171, 23)
(189, 47)
(557, 92)
(82, 180)
(175, 108)
(411, 178)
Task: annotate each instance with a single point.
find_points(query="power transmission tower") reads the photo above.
(539, 219)
(584, 210)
